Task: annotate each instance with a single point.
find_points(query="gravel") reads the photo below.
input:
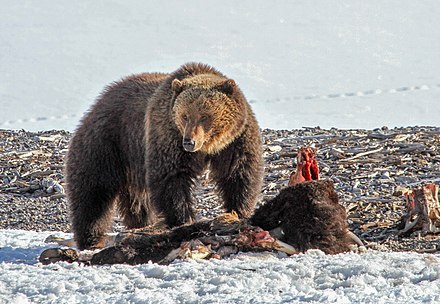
(368, 168)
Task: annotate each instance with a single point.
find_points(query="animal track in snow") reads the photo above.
(274, 100)
(36, 119)
(354, 94)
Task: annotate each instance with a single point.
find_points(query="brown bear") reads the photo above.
(145, 141)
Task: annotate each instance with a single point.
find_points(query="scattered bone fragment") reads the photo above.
(54, 255)
(422, 210)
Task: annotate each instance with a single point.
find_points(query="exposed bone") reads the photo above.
(423, 210)
(53, 255)
(355, 238)
(193, 249)
(284, 247)
(363, 154)
(409, 225)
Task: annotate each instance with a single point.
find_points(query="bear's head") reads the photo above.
(209, 111)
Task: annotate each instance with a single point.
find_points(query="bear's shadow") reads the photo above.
(27, 256)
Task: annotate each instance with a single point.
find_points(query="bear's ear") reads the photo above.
(177, 86)
(227, 87)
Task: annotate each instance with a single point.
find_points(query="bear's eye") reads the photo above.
(185, 117)
(203, 119)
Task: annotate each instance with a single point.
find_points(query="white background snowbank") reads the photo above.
(346, 64)
(296, 60)
(248, 278)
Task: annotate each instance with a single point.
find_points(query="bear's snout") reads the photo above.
(189, 144)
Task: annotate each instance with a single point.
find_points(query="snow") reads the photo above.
(342, 63)
(371, 277)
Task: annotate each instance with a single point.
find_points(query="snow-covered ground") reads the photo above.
(341, 63)
(248, 278)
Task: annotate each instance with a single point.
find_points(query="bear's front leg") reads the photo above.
(172, 196)
(171, 173)
(238, 174)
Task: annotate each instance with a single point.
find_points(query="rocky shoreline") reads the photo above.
(368, 168)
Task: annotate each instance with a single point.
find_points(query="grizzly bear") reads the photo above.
(148, 137)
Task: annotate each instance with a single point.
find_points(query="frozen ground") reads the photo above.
(312, 277)
(345, 64)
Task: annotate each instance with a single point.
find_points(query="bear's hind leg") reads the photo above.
(92, 184)
(91, 215)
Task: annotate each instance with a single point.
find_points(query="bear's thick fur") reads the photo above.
(145, 141)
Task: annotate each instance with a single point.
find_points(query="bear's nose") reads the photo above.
(188, 144)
